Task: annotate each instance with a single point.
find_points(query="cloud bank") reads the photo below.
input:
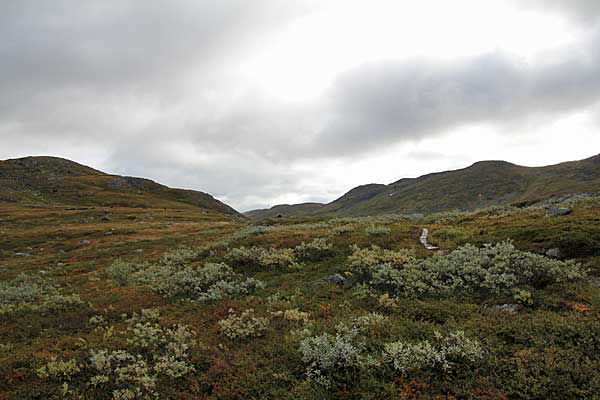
(154, 89)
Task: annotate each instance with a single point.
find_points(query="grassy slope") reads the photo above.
(481, 185)
(52, 181)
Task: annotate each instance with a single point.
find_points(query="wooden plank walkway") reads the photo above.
(424, 242)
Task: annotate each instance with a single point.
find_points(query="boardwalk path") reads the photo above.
(424, 241)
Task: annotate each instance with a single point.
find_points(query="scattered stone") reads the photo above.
(335, 279)
(558, 211)
(108, 233)
(137, 251)
(60, 264)
(43, 272)
(423, 240)
(560, 199)
(84, 242)
(594, 281)
(105, 218)
(509, 308)
(22, 255)
(553, 253)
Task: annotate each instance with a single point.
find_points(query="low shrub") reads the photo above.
(492, 269)
(212, 281)
(184, 255)
(294, 315)
(362, 262)
(377, 230)
(445, 354)
(313, 251)
(150, 354)
(122, 271)
(243, 326)
(59, 370)
(335, 358)
(344, 229)
(259, 257)
(32, 293)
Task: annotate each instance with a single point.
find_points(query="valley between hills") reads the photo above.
(116, 287)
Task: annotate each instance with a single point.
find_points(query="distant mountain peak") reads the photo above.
(49, 165)
(492, 163)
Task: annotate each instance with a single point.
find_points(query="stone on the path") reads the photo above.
(84, 242)
(22, 255)
(137, 251)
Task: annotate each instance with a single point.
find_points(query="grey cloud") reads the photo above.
(72, 64)
(389, 102)
(582, 11)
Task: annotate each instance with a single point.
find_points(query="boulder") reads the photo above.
(553, 253)
(509, 308)
(558, 211)
(335, 279)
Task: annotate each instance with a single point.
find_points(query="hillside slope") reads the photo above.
(483, 184)
(56, 181)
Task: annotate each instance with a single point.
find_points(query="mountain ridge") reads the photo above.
(48, 180)
(482, 184)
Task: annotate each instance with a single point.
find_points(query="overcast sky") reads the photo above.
(268, 101)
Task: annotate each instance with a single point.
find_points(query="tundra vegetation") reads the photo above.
(170, 303)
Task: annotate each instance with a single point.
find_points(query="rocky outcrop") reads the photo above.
(558, 211)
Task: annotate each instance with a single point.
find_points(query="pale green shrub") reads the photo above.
(243, 326)
(494, 269)
(363, 261)
(276, 259)
(122, 271)
(331, 357)
(184, 255)
(368, 321)
(262, 258)
(445, 354)
(293, 314)
(313, 251)
(343, 229)
(245, 256)
(59, 370)
(172, 278)
(377, 230)
(523, 297)
(152, 353)
(211, 281)
(32, 293)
